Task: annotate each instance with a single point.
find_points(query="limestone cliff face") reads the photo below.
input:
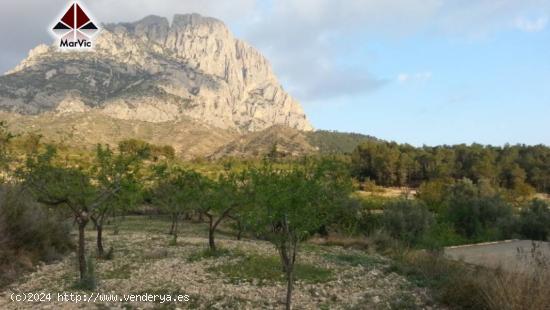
(156, 71)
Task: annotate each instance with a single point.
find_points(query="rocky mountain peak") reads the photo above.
(157, 71)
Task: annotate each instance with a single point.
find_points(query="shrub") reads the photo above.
(476, 214)
(347, 218)
(534, 221)
(406, 220)
(441, 234)
(432, 193)
(89, 280)
(29, 232)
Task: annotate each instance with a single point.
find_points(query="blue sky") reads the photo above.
(438, 90)
(416, 71)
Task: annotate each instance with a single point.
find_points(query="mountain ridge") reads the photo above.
(156, 71)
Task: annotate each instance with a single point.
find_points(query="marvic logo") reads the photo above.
(75, 29)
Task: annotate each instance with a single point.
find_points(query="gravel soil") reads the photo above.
(145, 261)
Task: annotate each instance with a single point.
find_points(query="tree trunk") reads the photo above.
(240, 230)
(211, 230)
(289, 287)
(82, 247)
(173, 226)
(211, 242)
(100, 250)
(239, 234)
(175, 233)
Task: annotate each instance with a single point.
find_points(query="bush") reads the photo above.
(29, 233)
(89, 281)
(534, 221)
(406, 220)
(477, 215)
(432, 193)
(441, 234)
(462, 286)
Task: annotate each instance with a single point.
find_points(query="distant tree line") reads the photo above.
(517, 167)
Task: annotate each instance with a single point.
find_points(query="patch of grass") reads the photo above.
(207, 254)
(173, 241)
(150, 224)
(267, 269)
(119, 272)
(354, 260)
(156, 254)
(312, 248)
(403, 301)
(89, 281)
(360, 243)
(109, 255)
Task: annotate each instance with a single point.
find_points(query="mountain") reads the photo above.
(187, 83)
(287, 142)
(190, 139)
(156, 71)
(283, 140)
(334, 142)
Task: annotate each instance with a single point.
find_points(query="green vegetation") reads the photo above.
(209, 253)
(89, 281)
(78, 188)
(519, 168)
(406, 220)
(5, 138)
(267, 269)
(534, 221)
(333, 142)
(452, 213)
(353, 260)
(290, 205)
(221, 199)
(29, 233)
(463, 195)
(467, 287)
(176, 191)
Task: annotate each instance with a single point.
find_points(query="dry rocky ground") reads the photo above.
(146, 261)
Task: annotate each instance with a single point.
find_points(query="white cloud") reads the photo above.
(132, 10)
(314, 45)
(414, 77)
(531, 25)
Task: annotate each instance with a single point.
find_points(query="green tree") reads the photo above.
(476, 213)
(535, 221)
(5, 138)
(291, 204)
(222, 199)
(121, 171)
(407, 220)
(57, 182)
(176, 191)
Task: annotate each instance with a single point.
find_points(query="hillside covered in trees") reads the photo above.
(518, 167)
